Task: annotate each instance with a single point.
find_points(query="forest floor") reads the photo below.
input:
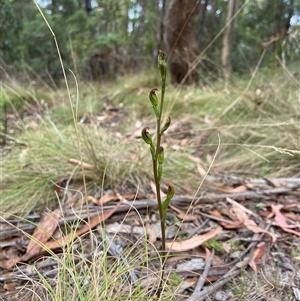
(78, 215)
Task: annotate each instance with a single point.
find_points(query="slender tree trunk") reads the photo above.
(161, 44)
(283, 12)
(203, 8)
(215, 5)
(290, 15)
(226, 54)
(181, 40)
(201, 24)
(88, 6)
(141, 28)
(277, 26)
(54, 7)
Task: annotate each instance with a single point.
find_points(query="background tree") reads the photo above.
(104, 38)
(10, 33)
(283, 11)
(161, 6)
(228, 40)
(181, 40)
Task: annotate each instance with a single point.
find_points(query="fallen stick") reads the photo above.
(197, 291)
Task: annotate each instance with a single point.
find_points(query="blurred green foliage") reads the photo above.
(125, 33)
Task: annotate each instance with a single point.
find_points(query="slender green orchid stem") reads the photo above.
(157, 154)
(155, 171)
(157, 185)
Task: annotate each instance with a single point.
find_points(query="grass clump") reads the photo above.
(112, 267)
(255, 140)
(36, 170)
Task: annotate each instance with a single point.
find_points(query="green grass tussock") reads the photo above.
(258, 128)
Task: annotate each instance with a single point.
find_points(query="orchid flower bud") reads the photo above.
(162, 64)
(160, 159)
(166, 125)
(165, 204)
(161, 156)
(153, 98)
(146, 136)
(170, 191)
(154, 101)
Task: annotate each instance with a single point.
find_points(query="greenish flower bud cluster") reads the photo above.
(162, 64)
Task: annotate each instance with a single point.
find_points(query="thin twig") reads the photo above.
(201, 281)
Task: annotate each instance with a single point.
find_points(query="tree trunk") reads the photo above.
(203, 8)
(88, 6)
(161, 23)
(290, 15)
(277, 26)
(202, 13)
(215, 5)
(141, 29)
(54, 7)
(181, 40)
(226, 54)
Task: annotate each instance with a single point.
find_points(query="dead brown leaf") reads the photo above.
(272, 182)
(93, 222)
(252, 226)
(240, 206)
(201, 170)
(182, 215)
(227, 247)
(9, 263)
(226, 224)
(281, 220)
(152, 237)
(9, 286)
(207, 254)
(41, 234)
(80, 163)
(238, 189)
(257, 255)
(106, 198)
(11, 251)
(193, 242)
(293, 216)
(2, 254)
(153, 188)
(239, 214)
